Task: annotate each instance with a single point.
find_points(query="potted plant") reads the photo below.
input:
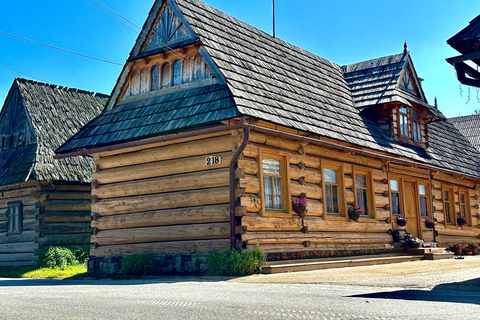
(467, 251)
(430, 223)
(401, 221)
(413, 242)
(300, 207)
(355, 212)
(473, 247)
(461, 220)
(457, 249)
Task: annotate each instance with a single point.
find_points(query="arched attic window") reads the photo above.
(155, 77)
(166, 76)
(177, 73)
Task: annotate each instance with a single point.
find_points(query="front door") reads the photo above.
(411, 208)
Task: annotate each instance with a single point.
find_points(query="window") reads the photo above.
(155, 78)
(422, 193)
(417, 125)
(332, 186)
(404, 126)
(395, 194)
(464, 206)
(273, 185)
(166, 76)
(177, 73)
(447, 205)
(361, 192)
(15, 218)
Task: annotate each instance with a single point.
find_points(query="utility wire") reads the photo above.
(23, 73)
(60, 49)
(162, 44)
(111, 15)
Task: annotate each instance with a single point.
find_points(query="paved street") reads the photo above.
(254, 297)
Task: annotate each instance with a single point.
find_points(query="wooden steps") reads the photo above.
(319, 264)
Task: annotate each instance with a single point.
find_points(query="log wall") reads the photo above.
(318, 231)
(54, 214)
(163, 198)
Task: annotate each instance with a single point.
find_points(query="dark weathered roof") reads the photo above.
(16, 164)
(268, 79)
(375, 82)
(450, 149)
(167, 113)
(469, 126)
(56, 113)
(467, 40)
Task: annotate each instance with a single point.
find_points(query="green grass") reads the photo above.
(45, 273)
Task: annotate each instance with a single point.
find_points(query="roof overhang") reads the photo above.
(465, 73)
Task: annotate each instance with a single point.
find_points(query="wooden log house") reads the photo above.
(43, 202)
(214, 127)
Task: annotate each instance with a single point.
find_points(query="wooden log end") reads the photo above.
(386, 207)
(306, 244)
(385, 181)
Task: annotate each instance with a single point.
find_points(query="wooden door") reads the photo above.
(411, 213)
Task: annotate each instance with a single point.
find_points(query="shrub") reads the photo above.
(235, 263)
(139, 264)
(58, 257)
(81, 254)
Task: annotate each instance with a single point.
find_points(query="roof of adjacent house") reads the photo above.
(55, 113)
(272, 80)
(467, 40)
(469, 126)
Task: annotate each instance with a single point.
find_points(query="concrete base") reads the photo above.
(438, 256)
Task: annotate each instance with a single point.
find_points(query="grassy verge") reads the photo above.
(45, 273)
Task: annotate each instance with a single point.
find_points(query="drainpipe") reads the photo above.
(246, 136)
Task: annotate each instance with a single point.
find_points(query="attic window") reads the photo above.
(155, 78)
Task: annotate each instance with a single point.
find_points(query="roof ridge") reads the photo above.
(344, 67)
(59, 87)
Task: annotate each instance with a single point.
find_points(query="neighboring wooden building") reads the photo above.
(469, 126)
(215, 126)
(467, 43)
(43, 202)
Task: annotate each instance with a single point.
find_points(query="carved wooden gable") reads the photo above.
(166, 30)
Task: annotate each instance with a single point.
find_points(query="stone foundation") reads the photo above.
(168, 264)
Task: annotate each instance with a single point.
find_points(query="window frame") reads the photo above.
(427, 196)
(451, 205)
(407, 117)
(286, 198)
(342, 215)
(15, 222)
(175, 64)
(371, 213)
(417, 126)
(400, 192)
(468, 214)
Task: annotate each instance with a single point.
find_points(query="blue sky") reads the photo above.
(343, 31)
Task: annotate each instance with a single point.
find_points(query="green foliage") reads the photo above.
(56, 272)
(139, 264)
(61, 257)
(235, 263)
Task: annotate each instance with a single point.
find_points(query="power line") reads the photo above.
(60, 49)
(111, 15)
(23, 73)
(162, 44)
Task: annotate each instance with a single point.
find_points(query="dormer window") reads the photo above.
(410, 125)
(404, 123)
(417, 125)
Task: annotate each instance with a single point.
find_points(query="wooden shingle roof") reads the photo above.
(468, 39)
(275, 81)
(55, 113)
(469, 126)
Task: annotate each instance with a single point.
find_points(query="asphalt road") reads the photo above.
(200, 298)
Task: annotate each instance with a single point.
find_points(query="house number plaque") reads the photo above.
(213, 160)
